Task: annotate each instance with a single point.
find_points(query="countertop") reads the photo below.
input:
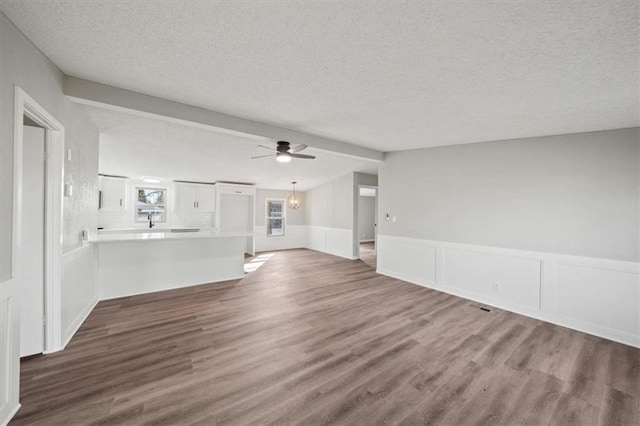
(159, 235)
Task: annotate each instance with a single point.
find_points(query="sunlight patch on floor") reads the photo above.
(257, 262)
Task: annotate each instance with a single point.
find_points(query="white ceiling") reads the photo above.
(385, 75)
(136, 146)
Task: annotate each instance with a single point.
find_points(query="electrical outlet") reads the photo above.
(496, 286)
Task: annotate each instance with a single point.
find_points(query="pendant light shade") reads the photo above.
(293, 201)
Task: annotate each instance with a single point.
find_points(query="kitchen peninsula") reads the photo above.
(136, 261)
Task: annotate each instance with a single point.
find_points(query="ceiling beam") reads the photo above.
(97, 94)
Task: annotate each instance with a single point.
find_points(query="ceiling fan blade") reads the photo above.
(307, 157)
(298, 148)
(262, 156)
(267, 147)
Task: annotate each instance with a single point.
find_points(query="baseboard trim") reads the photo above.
(404, 277)
(332, 253)
(77, 322)
(12, 413)
(172, 288)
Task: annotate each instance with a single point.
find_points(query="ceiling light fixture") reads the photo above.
(283, 157)
(293, 201)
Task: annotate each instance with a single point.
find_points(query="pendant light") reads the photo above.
(293, 201)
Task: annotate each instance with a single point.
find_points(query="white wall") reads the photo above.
(547, 227)
(323, 202)
(23, 65)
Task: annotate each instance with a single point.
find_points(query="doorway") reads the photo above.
(367, 223)
(37, 225)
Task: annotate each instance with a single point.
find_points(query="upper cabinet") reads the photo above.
(113, 193)
(191, 197)
(206, 201)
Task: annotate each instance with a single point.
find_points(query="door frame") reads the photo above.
(25, 105)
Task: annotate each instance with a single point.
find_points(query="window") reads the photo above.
(150, 203)
(275, 218)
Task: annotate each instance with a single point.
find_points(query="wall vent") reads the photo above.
(482, 308)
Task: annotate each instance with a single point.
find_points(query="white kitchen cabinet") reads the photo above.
(191, 197)
(185, 197)
(206, 200)
(113, 193)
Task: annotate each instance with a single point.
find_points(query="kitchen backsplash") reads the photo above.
(124, 219)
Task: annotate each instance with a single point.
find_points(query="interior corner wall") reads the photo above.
(329, 215)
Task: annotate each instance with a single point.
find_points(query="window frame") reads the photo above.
(165, 205)
(268, 217)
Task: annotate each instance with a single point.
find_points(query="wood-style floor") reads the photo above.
(368, 254)
(314, 339)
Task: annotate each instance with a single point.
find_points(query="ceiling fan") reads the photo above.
(284, 152)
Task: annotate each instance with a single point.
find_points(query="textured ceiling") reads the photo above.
(386, 75)
(135, 146)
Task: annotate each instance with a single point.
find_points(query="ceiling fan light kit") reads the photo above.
(293, 201)
(284, 152)
(283, 157)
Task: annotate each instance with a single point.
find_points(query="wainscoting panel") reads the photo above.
(9, 351)
(316, 238)
(334, 241)
(295, 236)
(595, 296)
(406, 258)
(508, 278)
(599, 297)
(79, 288)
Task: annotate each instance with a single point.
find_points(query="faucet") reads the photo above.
(150, 221)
